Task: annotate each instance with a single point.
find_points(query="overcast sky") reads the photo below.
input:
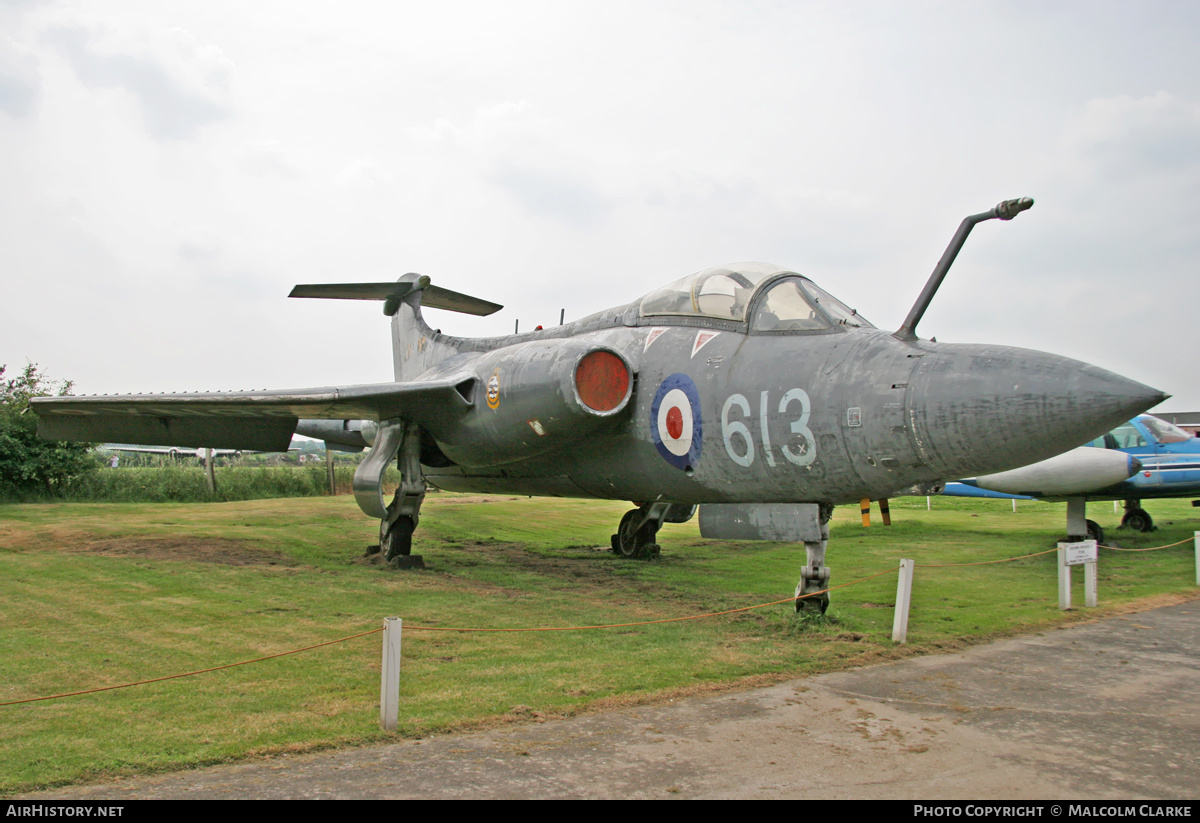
(169, 170)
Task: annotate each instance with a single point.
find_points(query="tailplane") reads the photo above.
(391, 294)
(416, 347)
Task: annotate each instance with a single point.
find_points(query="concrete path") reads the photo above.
(1107, 710)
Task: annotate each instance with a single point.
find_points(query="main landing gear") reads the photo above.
(639, 527)
(399, 519)
(1136, 517)
(1078, 526)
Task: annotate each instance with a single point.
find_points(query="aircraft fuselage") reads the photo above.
(720, 414)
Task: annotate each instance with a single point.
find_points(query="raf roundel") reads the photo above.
(675, 424)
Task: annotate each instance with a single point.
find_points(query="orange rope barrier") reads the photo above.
(1048, 551)
(440, 629)
(1150, 549)
(983, 562)
(189, 674)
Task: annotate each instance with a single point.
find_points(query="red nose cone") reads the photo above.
(602, 380)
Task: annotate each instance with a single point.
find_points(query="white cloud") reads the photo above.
(179, 84)
(264, 158)
(19, 78)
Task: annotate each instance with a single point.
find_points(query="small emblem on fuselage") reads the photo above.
(493, 390)
(675, 423)
(853, 416)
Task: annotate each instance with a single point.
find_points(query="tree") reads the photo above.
(28, 464)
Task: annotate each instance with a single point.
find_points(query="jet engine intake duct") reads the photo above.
(537, 396)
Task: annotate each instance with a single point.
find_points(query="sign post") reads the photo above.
(1084, 553)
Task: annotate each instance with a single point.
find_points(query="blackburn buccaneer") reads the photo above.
(746, 390)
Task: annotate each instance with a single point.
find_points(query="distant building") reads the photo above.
(1188, 421)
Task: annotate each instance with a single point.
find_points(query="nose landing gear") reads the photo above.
(814, 577)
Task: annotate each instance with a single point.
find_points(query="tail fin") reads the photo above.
(415, 346)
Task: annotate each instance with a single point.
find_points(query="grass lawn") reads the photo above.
(96, 595)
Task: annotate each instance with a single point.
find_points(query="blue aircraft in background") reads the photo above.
(1169, 461)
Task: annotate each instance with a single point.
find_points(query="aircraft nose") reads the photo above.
(981, 409)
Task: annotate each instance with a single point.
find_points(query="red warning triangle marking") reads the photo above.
(702, 337)
(651, 337)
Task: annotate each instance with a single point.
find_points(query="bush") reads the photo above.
(30, 466)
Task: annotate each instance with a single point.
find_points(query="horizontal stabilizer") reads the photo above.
(440, 298)
(432, 296)
(258, 420)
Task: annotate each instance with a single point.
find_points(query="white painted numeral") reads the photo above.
(730, 428)
(802, 454)
(808, 449)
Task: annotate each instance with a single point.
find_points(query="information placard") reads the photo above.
(1079, 553)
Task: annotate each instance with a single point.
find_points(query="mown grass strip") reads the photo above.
(102, 594)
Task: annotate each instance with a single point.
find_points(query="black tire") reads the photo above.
(1094, 532)
(629, 542)
(1137, 519)
(398, 540)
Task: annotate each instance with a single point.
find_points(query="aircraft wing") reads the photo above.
(253, 420)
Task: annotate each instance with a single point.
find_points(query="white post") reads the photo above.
(209, 474)
(1082, 553)
(389, 676)
(1064, 578)
(1196, 538)
(1014, 505)
(903, 601)
(928, 505)
(1091, 585)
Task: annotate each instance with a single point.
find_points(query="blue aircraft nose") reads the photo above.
(973, 406)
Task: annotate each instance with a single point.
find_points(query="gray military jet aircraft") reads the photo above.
(747, 390)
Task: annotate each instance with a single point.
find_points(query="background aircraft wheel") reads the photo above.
(398, 540)
(1137, 519)
(630, 542)
(1094, 532)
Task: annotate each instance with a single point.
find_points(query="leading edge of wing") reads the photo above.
(260, 420)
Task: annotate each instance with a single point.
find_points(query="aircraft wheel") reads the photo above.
(1137, 519)
(630, 542)
(1094, 532)
(397, 541)
(816, 604)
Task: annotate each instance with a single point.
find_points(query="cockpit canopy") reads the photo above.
(780, 300)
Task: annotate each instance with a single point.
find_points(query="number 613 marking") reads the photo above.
(804, 453)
